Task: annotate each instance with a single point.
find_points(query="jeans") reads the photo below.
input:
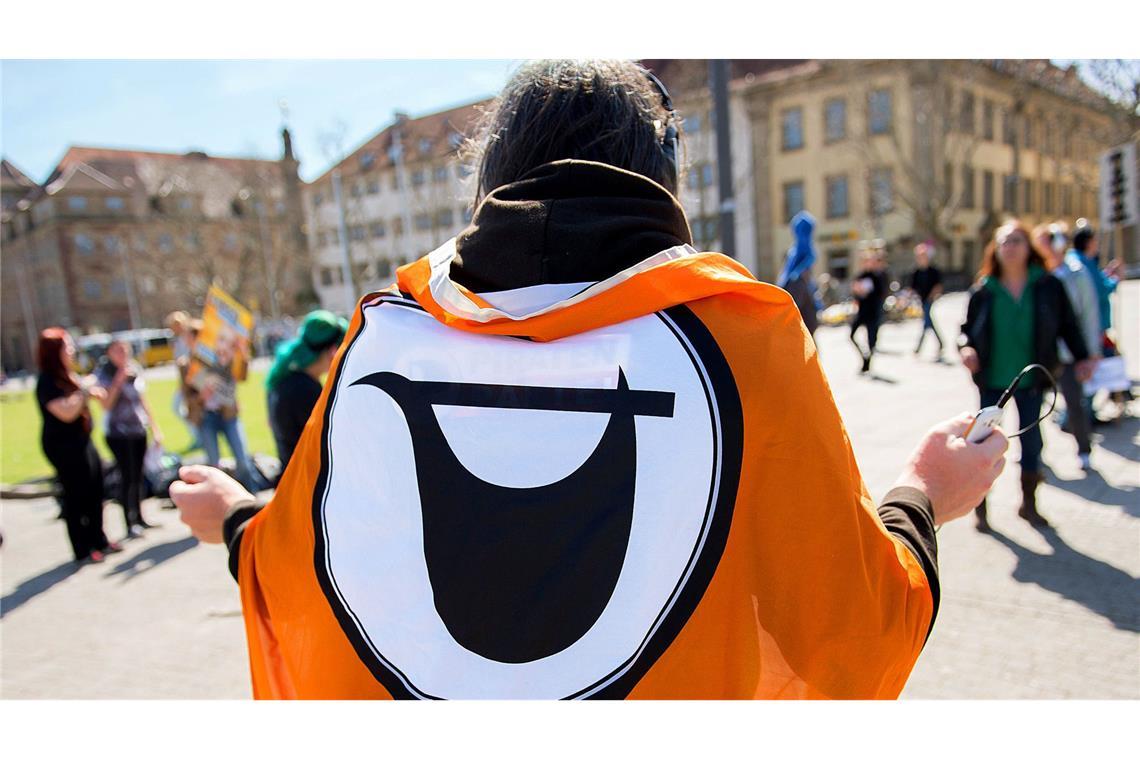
(80, 474)
(1028, 402)
(214, 423)
(928, 324)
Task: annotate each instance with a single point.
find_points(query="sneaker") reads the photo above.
(135, 531)
(94, 557)
(1085, 463)
(866, 365)
(112, 547)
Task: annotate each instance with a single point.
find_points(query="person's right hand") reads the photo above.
(203, 496)
(954, 474)
(970, 359)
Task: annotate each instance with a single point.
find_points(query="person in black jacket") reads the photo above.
(1016, 313)
(294, 380)
(870, 289)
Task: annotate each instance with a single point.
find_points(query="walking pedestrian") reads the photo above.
(926, 282)
(1086, 245)
(870, 289)
(294, 380)
(1070, 270)
(63, 397)
(796, 276)
(126, 423)
(1016, 314)
(567, 455)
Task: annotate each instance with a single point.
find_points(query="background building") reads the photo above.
(116, 239)
(403, 193)
(900, 150)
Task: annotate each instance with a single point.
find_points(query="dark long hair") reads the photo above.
(605, 111)
(49, 358)
(991, 264)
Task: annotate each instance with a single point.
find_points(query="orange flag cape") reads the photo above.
(639, 488)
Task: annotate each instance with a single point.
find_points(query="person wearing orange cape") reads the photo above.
(568, 456)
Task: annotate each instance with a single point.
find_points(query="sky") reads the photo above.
(226, 108)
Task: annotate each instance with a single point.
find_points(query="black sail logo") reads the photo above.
(519, 574)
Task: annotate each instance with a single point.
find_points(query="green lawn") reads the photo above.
(21, 456)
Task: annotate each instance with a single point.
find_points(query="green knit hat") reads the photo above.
(319, 330)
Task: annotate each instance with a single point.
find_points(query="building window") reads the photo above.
(92, 290)
(367, 159)
(691, 124)
(165, 243)
(966, 113)
(373, 187)
(439, 175)
(1006, 127)
(111, 244)
(882, 192)
(318, 199)
(1047, 137)
(967, 187)
(1008, 188)
(837, 197)
(425, 145)
(705, 230)
(1029, 130)
(445, 218)
(1030, 197)
(77, 203)
(838, 263)
(879, 112)
(84, 244)
(700, 176)
(454, 140)
(422, 222)
(185, 204)
(417, 178)
(113, 203)
(468, 213)
(356, 232)
(231, 242)
(1047, 203)
(397, 226)
(357, 190)
(835, 119)
(377, 229)
(119, 287)
(463, 170)
(1067, 200)
(988, 120)
(793, 128)
(793, 199)
(383, 268)
(988, 191)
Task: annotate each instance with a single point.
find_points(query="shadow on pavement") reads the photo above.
(1102, 588)
(1093, 487)
(1119, 437)
(151, 557)
(33, 587)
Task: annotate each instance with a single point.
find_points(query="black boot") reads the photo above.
(1028, 511)
(983, 525)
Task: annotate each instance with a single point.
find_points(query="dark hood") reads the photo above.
(566, 221)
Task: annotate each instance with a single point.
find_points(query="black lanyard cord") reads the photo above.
(1007, 394)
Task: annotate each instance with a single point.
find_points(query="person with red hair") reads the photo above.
(66, 438)
(1016, 314)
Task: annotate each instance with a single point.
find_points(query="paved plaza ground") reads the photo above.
(1025, 614)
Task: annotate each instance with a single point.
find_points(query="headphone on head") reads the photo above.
(669, 141)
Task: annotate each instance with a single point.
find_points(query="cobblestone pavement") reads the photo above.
(1024, 614)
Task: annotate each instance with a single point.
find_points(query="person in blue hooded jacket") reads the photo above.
(796, 277)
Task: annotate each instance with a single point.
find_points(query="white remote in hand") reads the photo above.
(984, 423)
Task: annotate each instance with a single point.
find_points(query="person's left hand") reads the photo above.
(203, 496)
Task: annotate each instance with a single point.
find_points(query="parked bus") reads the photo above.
(152, 347)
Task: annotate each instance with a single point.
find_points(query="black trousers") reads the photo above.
(129, 453)
(80, 476)
(871, 322)
(1079, 419)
